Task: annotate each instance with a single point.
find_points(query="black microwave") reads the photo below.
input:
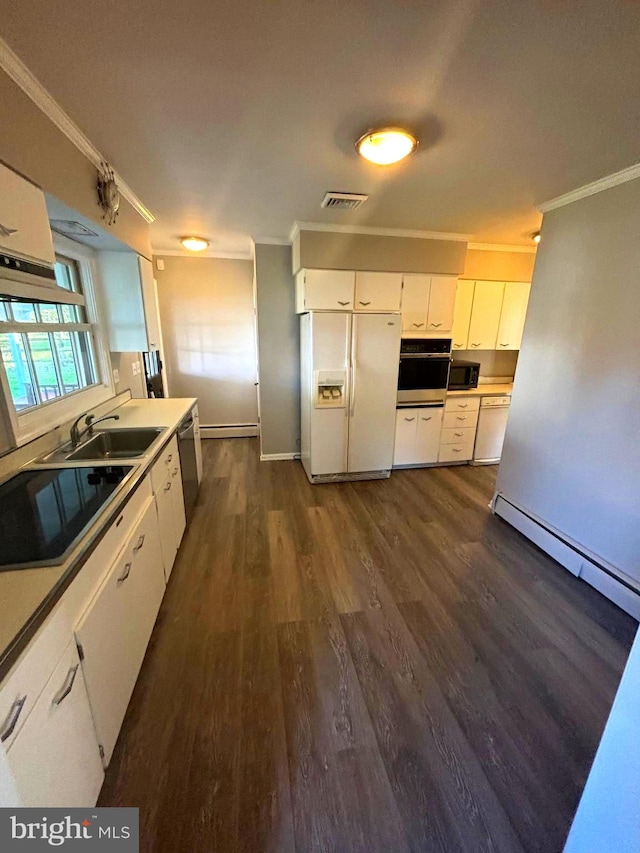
(463, 375)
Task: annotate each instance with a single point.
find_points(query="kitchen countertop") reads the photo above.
(484, 391)
(27, 596)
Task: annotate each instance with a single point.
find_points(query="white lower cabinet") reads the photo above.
(417, 436)
(166, 479)
(114, 632)
(54, 760)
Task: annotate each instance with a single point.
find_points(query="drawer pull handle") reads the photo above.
(168, 459)
(458, 434)
(67, 687)
(7, 232)
(125, 574)
(175, 471)
(475, 345)
(436, 325)
(458, 346)
(12, 719)
(462, 405)
(428, 419)
(418, 325)
(504, 345)
(410, 419)
(461, 417)
(457, 450)
(363, 303)
(140, 544)
(342, 303)
(119, 521)
(167, 487)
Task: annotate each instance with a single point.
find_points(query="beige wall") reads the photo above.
(32, 145)
(208, 330)
(572, 451)
(335, 250)
(498, 266)
(279, 350)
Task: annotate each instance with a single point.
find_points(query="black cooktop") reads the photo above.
(43, 512)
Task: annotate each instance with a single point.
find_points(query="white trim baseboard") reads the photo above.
(229, 431)
(621, 177)
(378, 232)
(501, 247)
(33, 88)
(278, 457)
(607, 579)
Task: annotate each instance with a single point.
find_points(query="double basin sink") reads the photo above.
(107, 444)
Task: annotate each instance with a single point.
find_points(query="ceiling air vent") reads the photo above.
(70, 228)
(343, 201)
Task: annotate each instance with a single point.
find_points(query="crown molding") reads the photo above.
(378, 232)
(177, 253)
(502, 247)
(31, 86)
(272, 241)
(629, 174)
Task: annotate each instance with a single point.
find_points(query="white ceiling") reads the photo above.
(232, 119)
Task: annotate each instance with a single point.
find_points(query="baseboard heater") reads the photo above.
(615, 585)
(228, 430)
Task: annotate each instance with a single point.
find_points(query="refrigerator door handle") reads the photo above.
(354, 341)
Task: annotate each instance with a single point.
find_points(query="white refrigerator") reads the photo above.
(349, 387)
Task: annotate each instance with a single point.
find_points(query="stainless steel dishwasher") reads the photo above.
(188, 465)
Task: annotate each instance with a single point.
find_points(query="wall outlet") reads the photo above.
(160, 264)
(116, 375)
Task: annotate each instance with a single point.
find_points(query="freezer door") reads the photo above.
(375, 355)
(329, 342)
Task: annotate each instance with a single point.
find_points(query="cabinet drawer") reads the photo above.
(26, 681)
(161, 471)
(456, 452)
(55, 760)
(462, 404)
(457, 420)
(458, 436)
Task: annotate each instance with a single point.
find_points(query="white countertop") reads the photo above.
(485, 391)
(24, 592)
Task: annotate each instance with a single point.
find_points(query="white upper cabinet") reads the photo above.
(485, 314)
(378, 291)
(130, 302)
(462, 314)
(442, 299)
(325, 290)
(24, 222)
(415, 302)
(514, 310)
(428, 303)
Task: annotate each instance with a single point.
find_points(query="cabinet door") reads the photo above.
(462, 314)
(485, 314)
(328, 290)
(150, 303)
(55, 760)
(442, 300)
(24, 222)
(514, 310)
(404, 452)
(115, 630)
(415, 302)
(378, 291)
(428, 435)
(168, 541)
(177, 503)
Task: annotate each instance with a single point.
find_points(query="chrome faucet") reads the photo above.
(90, 422)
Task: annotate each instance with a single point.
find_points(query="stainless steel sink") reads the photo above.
(107, 444)
(116, 444)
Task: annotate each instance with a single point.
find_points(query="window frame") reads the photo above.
(32, 422)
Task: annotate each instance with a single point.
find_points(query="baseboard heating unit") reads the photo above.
(611, 582)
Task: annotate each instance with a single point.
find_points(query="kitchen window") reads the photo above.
(47, 349)
(55, 362)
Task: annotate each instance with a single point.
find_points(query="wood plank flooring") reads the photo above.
(379, 666)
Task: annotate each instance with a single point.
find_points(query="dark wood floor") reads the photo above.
(377, 666)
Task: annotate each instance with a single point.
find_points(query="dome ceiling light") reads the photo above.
(387, 145)
(194, 244)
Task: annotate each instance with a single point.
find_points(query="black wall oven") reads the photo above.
(424, 370)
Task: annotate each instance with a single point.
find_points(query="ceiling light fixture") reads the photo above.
(194, 244)
(536, 236)
(385, 146)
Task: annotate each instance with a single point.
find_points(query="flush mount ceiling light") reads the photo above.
(385, 146)
(536, 236)
(194, 244)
